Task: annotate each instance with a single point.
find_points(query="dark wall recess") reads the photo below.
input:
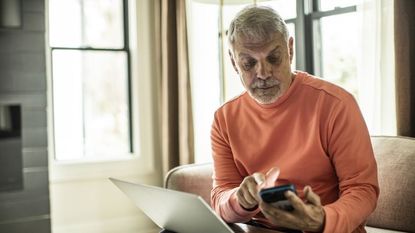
(11, 173)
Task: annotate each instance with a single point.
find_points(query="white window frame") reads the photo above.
(144, 97)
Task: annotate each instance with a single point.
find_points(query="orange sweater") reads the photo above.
(315, 134)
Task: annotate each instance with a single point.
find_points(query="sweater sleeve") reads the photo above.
(351, 153)
(226, 178)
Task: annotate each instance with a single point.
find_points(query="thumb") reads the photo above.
(272, 176)
(311, 196)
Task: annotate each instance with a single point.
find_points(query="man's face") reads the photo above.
(264, 68)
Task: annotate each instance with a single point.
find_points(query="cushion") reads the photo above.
(192, 178)
(395, 157)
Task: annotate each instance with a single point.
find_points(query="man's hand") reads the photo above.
(247, 193)
(306, 216)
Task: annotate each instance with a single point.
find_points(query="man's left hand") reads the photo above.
(306, 216)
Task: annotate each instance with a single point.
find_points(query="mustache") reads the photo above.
(261, 83)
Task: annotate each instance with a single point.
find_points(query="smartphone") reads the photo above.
(276, 197)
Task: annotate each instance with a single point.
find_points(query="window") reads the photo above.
(90, 79)
(336, 35)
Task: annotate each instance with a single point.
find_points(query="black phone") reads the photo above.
(275, 195)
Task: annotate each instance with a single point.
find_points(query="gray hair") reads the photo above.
(257, 24)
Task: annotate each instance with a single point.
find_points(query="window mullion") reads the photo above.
(82, 9)
(89, 49)
(303, 33)
(129, 81)
(222, 53)
(337, 11)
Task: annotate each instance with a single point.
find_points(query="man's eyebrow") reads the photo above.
(244, 55)
(277, 49)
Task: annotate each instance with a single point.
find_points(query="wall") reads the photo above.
(23, 81)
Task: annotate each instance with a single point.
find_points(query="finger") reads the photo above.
(270, 209)
(311, 197)
(295, 201)
(251, 184)
(253, 192)
(259, 178)
(242, 200)
(279, 217)
(272, 176)
(244, 190)
(250, 195)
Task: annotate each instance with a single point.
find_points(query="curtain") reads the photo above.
(375, 66)
(176, 107)
(405, 66)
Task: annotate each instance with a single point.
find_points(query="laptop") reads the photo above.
(173, 210)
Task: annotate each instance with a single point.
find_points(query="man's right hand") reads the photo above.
(247, 193)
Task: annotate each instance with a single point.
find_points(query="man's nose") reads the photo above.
(264, 70)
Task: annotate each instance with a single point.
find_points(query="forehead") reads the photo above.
(242, 48)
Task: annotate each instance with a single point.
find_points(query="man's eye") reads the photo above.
(273, 60)
(248, 65)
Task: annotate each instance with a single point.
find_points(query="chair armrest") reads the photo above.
(192, 178)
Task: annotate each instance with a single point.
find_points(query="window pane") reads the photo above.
(67, 105)
(86, 23)
(233, 86)
(286, 8)
(291, 30)
(90, 104)
(339, 50)
(332, 4)
(204, 67)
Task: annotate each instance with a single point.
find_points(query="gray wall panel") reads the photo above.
(35, 137)
(35, 184)
(41, 225)
(15, 64)
(27, 100)
(20, 41)
(23, 81)
(24, 208)
(34, 117)
(33, 6)
(34, 21)
(35, 158)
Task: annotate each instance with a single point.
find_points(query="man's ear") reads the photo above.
(291, 48)
(233, 61)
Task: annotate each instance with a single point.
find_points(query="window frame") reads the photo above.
(308, 17)
(145, 96)
(126, 50)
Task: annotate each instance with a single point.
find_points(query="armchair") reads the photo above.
(395, 210)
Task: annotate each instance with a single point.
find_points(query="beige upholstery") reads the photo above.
(396, 165)
(396, 168)
(193, 178)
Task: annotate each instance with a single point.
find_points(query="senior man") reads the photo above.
(289, 127)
